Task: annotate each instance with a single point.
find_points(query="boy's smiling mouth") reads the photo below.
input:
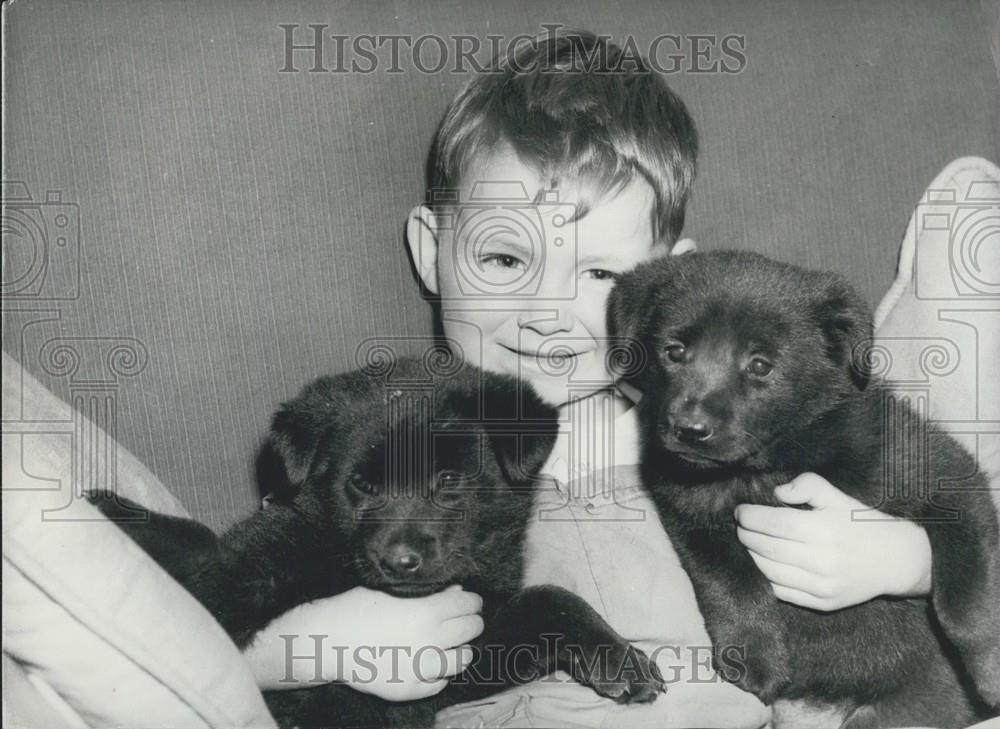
(558, 356)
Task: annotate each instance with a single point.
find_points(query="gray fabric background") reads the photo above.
(246, 226)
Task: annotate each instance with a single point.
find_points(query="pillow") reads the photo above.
(39, 428)
(938, 327)
(87, 613)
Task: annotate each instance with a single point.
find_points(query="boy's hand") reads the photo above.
(408, 647)
(398, 649)
(825, 560)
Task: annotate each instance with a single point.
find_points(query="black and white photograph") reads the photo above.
(372, 364)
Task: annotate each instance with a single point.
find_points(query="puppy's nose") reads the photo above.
(692, 431)
(400, 560)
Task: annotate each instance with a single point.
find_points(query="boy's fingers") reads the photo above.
(814, 490)
(802, 599)
(434, 687)
(454, 603)
(441, 664)
(776, 521)
(776, 549)
(456, 660)
(788, 576)
(461, 630)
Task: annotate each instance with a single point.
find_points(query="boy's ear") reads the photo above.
(846, 322)
(684, 245)
(422, 240)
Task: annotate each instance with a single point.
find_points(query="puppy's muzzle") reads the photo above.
(410, 555)
(400, 561)
(692, 431)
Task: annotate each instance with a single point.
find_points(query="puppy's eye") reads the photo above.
(675, 352)
(360, 484)
(759, 367)
(449, 480)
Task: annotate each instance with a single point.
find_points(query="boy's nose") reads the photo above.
(546, 322)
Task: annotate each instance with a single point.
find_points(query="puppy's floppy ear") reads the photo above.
(628, 304)
(631, 311)
(298, 430)
(521, 427)
(846, 322)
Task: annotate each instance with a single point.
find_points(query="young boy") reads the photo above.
(569, 164)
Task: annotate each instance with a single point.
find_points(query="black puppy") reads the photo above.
(402, 482)
(756, 372)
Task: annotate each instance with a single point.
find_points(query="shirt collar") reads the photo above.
(592, 438)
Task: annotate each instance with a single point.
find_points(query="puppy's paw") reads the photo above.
(624, 674)
(756, 666)
(117, 508)
(984, 666)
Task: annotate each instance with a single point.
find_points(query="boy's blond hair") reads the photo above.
(575, 107)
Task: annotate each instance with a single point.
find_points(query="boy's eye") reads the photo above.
(759, 367)
(501, 260)
(675, 352)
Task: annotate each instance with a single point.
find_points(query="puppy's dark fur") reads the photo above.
(405, 489)
(720, 430)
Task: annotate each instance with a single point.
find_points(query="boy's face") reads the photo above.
(523, 287)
